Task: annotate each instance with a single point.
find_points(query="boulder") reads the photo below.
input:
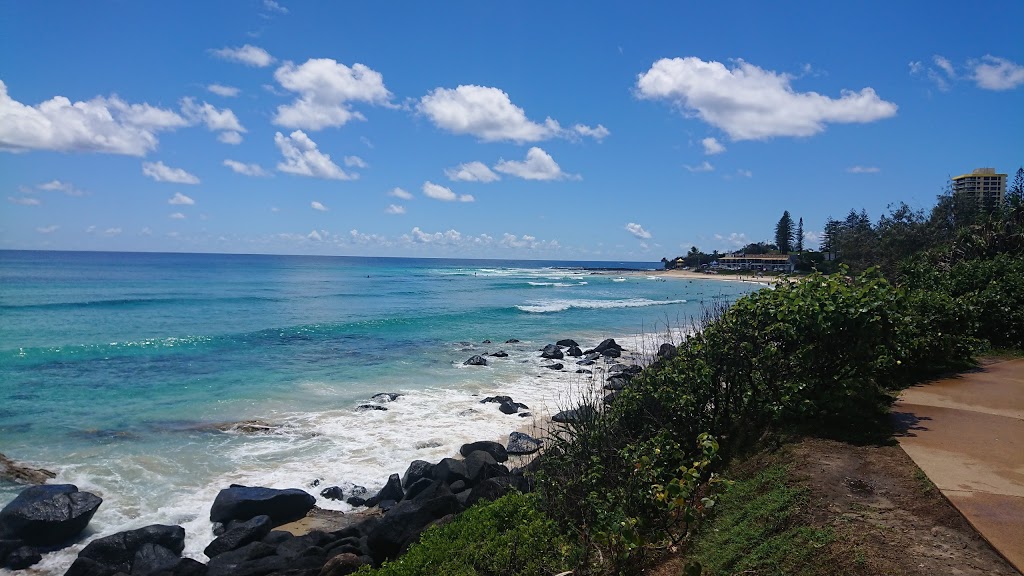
(187, 567)
(498, 399)
(611, 353)
(435, 490)
(480, 466)
(608, 344)
(416, 470)
(356, 501)
(555, 366)
(511, 341)
(509, 408)
(476, 360)
(22, 557)
(364, 407)
(153, 558)
(574, 351)
(592, 356)
(239, 534)
(494, 488)
(117, 552)
(666, 350)
(615, 383)
(22, 474)
(449, 470)
(245, 502)
(500, 354)
(617, 368)
(386, 396)
(392, 490)
(521, 444)
(403, 524)
(584, 371)
(343, 564)
(585, 362)
(333, 493)
(418, 486)
(241, 562)
(486, 342)
(573, 416)
(567, 343)
(552, 352)
(48, 515)
(496, 450)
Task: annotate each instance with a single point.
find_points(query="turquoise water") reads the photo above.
(113, 366)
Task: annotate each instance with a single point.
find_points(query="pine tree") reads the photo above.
(800, 236)
(1015, 195)
(784, 233)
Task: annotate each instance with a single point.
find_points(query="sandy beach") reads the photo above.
(693, 275)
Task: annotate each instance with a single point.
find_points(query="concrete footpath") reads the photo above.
(967, 434)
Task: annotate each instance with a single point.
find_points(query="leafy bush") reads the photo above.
(508, 537)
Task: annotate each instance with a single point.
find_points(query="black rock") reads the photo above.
(477, 360)
(333, 493)
(386, 396)
(117, 551)
(494, 488)
(524, 414)
(573, 416)
(486, 342)
(498, 399)
(480, 466)
(392, 490)
(418, 486)
(574, 351)
(416, 470)
(555, 366)
(617, 368)
(509, 407)
(435, 490)
(608, 344)
(609, 398)
(552, 352)
(246, 561)
(386, 505)
(511, 341)
(245, 502)
(458, 486)
(23, 557)
(363, 407)
(592, 356)
(449, 470)
(568, 343)
(153, 558)
(48, 515)
(584, 371)
(666, 350)
(240, 534)
(496, 450)
(500, 354)
(611, 353)
(615, 383)
(521, 444)
(585, 362)
(403, 524)
(187, 567)
(356, 501)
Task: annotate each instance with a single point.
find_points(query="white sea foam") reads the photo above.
(543, 306)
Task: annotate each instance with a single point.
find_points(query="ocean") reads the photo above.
(115, 368)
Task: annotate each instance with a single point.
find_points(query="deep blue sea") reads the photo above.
(114, 366)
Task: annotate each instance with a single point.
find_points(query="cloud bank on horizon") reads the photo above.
(274, 132)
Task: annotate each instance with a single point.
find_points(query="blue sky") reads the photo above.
(565, 130)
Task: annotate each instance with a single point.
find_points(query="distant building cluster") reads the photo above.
(983, 184)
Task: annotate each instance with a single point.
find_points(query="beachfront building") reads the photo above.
(765, 262)
(983, 184)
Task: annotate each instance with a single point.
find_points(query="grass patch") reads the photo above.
(507, 537)
(757, 530)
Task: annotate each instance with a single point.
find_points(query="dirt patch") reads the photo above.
(886, 516)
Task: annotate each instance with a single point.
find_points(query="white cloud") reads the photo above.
(471, 172)
(230, 137)
(704, 166)
(162, 173)
(325, 88)
(57, 185)
(394, 209)
(528, 242)
(750, 103)
(539, 165)
(744, 173)
(399, 193)
(598, 133)
(355, 162)
(112, 232)
(302, 157)
(249, 55)
(466, 198)
(945, 65)
(732, 241)
(24, 201)
(437, 192)
(106, 125)
(318, 206)
(176, 216)
(489, 114)
(314, 235)
(180, 199)
(274, 7)
(638, 231)
(420, 237)
(246, 169)
(47, 229)
(712, 146)
(863, 169)
(992, 73)
(225, 91)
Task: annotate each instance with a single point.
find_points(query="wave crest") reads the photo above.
(544, 306)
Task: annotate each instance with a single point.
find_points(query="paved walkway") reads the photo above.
(967, 434)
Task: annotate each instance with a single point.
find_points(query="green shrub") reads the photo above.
(508, 537)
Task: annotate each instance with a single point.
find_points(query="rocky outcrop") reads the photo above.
(666, 350)
(496, 450)
(48, 515)
(476, 360)
(402, 525)
(573, 416)
(417, 469)
(245, 502)
(22, 474)
(574, 351)
(520, 444)
(567, 343)
(119, 552)
(552, 352)
(239, 534)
